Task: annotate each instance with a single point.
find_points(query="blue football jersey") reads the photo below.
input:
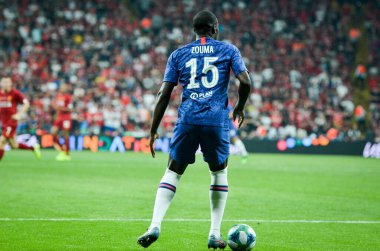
(203, 69)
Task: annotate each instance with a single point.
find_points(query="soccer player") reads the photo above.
(235, 140)
(9, 99)
(203, 69)
(63, 106)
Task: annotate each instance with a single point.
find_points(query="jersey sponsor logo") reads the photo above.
(202, 49)
(202, 95)
(5, 104)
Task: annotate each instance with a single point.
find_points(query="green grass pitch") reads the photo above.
(104, 201)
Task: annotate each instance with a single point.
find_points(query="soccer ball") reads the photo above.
(241, 237)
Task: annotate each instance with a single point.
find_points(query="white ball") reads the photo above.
(241, 237)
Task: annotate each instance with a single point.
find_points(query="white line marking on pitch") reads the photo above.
(195, 220)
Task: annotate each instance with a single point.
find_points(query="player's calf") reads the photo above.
(1, 153)
(57, 144)
(23, 146)
(2, 145)
(14, 144)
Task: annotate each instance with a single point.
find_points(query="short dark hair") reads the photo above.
(203, 22)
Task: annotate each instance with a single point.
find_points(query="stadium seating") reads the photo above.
(304, 58)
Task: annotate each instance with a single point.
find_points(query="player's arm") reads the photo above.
(244, 91)
(24, 108)
(163, 98)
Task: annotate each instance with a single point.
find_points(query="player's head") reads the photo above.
(63, 88)
(6, 84)
(205, 23)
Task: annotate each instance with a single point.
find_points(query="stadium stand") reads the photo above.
(304, 58)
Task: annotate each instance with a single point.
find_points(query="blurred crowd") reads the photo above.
(302, 56)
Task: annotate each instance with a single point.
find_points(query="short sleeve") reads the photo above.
(171, 72)
(19, 98)
(237, 62)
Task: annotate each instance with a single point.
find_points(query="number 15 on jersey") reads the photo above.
(207, 66)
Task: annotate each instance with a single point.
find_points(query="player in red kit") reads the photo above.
(9, 99)
(63, 106)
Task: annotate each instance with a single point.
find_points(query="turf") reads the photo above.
(108, 190)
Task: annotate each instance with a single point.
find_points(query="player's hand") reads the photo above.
(153, 137)
(16, 116)
(239, 115)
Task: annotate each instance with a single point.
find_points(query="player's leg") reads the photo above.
(215, 148)
(56, 143)
(7, 132)
(218, 199)
(183, 146)
(54, 132)
(164, 196)
(13, 140)
(166, 191)
(3, 141)
(236, 141)
(66, 146)
(66, 126)
(15, 145)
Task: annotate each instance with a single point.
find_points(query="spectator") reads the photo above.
(300, 56)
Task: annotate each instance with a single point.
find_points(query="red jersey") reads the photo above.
(8, 106)
(63, 101)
